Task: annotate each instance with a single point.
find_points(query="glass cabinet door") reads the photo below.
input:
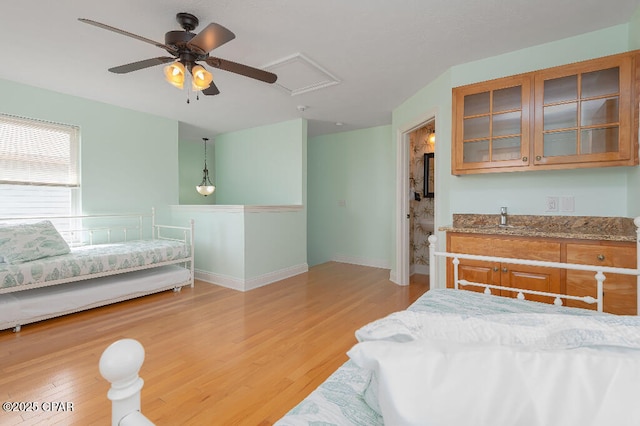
(580, 113)
(583, 114)
(492, 124)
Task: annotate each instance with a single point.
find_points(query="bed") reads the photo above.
(52, 266)
(458, 357)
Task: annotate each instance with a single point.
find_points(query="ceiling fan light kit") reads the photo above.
(174, 73)
(200, 78)
(187, 48)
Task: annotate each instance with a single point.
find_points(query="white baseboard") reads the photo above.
(271, 277)
(251, 283)
(374, 263)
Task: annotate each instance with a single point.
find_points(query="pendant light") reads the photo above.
(206, 187)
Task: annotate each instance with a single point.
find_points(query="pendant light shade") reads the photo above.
(174, 73)
(206, 187)
(201, 78)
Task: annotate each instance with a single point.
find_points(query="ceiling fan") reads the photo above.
(187, 49)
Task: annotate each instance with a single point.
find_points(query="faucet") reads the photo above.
(503, 216)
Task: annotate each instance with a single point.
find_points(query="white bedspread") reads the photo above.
(434, 382)
(584, 333)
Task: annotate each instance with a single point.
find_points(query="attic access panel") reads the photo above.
(298, 74)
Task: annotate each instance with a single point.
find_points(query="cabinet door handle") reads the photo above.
(505, 270)
(601, 257)
(496, 269)
(538, 158)
(525, 159)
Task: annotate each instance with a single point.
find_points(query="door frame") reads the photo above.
(402, 195)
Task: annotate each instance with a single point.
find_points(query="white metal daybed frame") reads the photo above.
(434, 278)
(80, 236)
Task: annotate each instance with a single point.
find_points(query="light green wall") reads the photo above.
(275, 241)
(261, 166)
(598, 192)
(633, 179)
(191, 163)
(128, 158)
(353, 167)
(219, 241)
(574, 49)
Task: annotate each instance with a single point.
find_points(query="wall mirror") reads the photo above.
(429, 175)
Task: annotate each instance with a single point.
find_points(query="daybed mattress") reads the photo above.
(340, 400)
(23, 307)
(85, 261)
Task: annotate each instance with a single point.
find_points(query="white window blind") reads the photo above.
(36, 152)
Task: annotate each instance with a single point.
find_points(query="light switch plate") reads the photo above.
(551, 204)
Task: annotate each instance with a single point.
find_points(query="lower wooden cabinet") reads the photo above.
(505, 274)
(619, 290)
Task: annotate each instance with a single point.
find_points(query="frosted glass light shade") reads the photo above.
(205, 189)
(174, 74)
(201, 78)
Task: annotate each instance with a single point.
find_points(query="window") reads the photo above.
(38, 168)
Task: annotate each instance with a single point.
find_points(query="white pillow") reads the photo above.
(438, 383)
(25, 242)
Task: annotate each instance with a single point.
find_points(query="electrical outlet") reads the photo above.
(342, 203)
(552, 204)
(567, 204)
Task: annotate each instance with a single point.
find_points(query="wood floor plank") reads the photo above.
(214, 356)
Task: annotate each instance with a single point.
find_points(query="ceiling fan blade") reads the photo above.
(211, 90)
(128, 34)
(212, 36)
(135, 66)
(247, 71)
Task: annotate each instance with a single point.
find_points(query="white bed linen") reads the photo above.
(321, 408)
(428, 382)
(533, 369)
(24, 307)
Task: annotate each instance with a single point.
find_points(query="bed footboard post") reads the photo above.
(153, 223)
(600, 290)
(433, 274)
(636, 222)
(120, 364)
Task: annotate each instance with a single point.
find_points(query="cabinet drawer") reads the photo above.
(620, 291)
(620, 256)
(505, 247)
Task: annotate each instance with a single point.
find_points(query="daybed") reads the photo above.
(457, 357)
(52, 266)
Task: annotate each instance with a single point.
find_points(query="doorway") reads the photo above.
(415, 209)
(422, 196)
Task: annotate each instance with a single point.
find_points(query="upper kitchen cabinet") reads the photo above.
(578, 115)
(492, 125)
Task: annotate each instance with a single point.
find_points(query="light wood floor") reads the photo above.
(214, 356)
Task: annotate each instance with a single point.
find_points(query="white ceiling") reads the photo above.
(381, 51)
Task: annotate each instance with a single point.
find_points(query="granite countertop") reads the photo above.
(574, 227)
